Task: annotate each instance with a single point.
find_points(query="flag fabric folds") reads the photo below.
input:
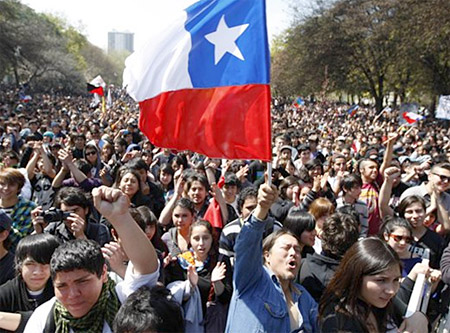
(97, 86)
(411, 117)
(95, 90)
(352, 110)
(298, 102)
(202, 83)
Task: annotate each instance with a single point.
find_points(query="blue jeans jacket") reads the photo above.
(258, 303)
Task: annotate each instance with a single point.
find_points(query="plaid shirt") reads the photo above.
(20, 215)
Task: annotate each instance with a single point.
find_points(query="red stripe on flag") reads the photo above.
(408, 119)
(224, 122)
(96, 90)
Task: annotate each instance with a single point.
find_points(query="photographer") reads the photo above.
(70, 220)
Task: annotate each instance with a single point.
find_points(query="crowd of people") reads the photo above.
(101, 231)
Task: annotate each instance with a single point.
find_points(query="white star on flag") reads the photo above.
(224, 40)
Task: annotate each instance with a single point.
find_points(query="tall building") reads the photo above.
(119, 41)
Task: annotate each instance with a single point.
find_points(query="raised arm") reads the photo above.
(66, 157)
(389, 152)
(248, 266)
(31, 165)
(166, 215)
(114, 205)
(386, 191)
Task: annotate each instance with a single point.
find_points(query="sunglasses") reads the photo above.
(443, 178)
(399, 238)
(91, 153)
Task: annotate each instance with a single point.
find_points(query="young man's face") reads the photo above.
(369, 171)
(305, 156)
(440, 177)
(286, 154)
(119, 148)
(8, 191)
(78, 210)
(78, 290)
(284, 257)
(248, 206)
(79, 143)
(279, 142)
(354, 192)
(197, 193)
(229, 192)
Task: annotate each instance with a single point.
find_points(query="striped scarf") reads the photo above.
(105, 309)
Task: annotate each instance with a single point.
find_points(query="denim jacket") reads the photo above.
(258, 303)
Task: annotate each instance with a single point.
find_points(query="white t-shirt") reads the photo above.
(130, 284)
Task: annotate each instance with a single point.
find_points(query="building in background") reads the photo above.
(120, 41)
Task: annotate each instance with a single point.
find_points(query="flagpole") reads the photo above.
(407, 132)
(103, 104)
(269, 173)
(379, 115)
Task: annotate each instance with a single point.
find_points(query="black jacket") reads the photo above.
(14, 298)
(316, 272)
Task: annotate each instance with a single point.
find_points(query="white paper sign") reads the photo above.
(443, 109)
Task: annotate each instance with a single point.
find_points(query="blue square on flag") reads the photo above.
(228, 43)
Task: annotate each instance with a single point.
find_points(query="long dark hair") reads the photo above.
(369, 256)
(138, 198)
(298, 221)
(213, 251)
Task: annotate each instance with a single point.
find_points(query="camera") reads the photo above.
(54, 215)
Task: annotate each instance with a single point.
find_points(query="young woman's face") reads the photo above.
(339, 164)
(398, 239)
(377, 290)
(182, 218)
(415, 214)
(317, 170)
(165, 178)
(35, 274)
(150, 231)
(129, 184)
(91, 155)
(303, 192)
(290, 191)
(308, 237)
(201, 241)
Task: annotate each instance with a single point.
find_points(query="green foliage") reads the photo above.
(46, 52)
(366, 46)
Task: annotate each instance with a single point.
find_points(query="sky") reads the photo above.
(96, 18)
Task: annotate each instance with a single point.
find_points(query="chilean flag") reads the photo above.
(352, 110)
(411, 117)
(202, 83)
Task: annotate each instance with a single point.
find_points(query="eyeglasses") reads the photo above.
(399, 238)
(90, 153)
(443, 178)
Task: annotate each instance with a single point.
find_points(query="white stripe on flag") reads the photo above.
(148, 73)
